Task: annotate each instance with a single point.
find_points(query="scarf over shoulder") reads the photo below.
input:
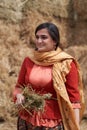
(61, 67)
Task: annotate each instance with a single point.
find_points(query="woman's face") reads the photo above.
(44, 42)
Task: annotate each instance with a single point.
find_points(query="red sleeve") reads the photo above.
(27, 64)
(72, 84)
(21, 79)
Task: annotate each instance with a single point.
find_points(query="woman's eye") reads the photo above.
(44, 37)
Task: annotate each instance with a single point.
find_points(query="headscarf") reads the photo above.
(61, 66)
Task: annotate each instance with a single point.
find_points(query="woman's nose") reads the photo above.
(39, 40)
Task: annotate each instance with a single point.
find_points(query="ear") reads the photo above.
(55, 43)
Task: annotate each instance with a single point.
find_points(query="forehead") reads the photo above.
(42, 32)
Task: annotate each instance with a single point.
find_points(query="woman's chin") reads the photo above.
(41, 49)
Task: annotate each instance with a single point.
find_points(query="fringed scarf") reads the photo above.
(61, 67)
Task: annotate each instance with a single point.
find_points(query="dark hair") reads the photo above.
(52, 30)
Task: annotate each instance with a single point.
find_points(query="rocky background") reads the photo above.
(18, 19)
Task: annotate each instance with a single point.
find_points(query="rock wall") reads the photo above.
(18, 20)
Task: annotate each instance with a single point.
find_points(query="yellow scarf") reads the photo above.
(61, 67)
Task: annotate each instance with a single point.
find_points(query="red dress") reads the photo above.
(40, 78)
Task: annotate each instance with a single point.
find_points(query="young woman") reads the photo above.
(48, 69)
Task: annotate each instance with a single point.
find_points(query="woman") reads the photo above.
(50, 70)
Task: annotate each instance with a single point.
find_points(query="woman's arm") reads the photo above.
(73, 90)
(26, 67)
(21, 80)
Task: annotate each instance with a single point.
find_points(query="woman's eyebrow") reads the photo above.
(42, 35)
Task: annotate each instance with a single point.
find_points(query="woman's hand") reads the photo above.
(20, 99)
(77, 115)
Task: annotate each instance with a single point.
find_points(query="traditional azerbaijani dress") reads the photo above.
(57, 73)
(40, 77)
